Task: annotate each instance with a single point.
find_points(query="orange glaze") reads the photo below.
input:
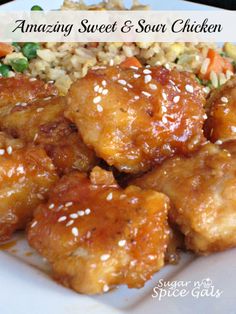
(96, 235)
(42, 121)
(7, 245)
(202, 190)
(134, 118)
(21, 88)
(26, 175)
(221, 109)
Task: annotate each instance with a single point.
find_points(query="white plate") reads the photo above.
(25, 287)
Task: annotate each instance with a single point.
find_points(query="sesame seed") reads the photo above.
(105, 257)
(35, 137)
(20, 169)
(136, 97)
(125, 88)
(146, 71)
(205, 116)
(151, 257)
(167, 66)
(87, 211)
(96, 88)
(99, 108)
(62, 218)
(88, 235)
(164, 96)
(164, 120)
(75, 231)
(224, 99)
(97, 99)
(47, 98)
(105, 92)
(105, 288)
(111, 63)
(129, 85)
(100, 90)
(189, 88)
(122, 243)
(218, 142)
(104, 83)
(233, 128)
(68, 204)
(122, 82)
(109, 197)
(133, 67)
(32, 79)
(9, 150)
(74, 215)
(40, 196)
(153, 86)
(51, 206)
(146, 94)
(40, 109)
(34, 224)
(176, 99)
(122, 196)
(80, 213)
(136, 75)
(2, 152)
(69, 223)
(147, 78)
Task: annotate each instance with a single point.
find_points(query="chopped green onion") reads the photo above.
(19, 65)
(4, 70)
(36, 8)
(29, 50)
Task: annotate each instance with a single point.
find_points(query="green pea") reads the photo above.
(36, 8)
(19, 65)
(29, 50)
(4, 70)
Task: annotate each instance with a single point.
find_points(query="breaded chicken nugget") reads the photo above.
(135, 118)
(221, 109)
(22, 88)
(96, 235)
(42, 121)
(202, 189)
(26, 175)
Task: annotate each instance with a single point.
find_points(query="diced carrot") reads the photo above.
(5, 49)
(218, 64)
(129, 62)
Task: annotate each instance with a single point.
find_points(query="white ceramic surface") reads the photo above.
(25, 287)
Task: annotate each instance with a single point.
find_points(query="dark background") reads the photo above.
(226, 4)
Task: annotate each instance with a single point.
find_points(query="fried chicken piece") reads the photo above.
(221, 110)
(202, 189)
(135, 118)
(42, 121)
(22, 88)
(26, 175)
(96, 235)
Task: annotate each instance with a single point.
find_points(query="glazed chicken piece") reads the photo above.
(42, 121)
(96, 235)
(21, 88)
(135, 118)
(221, 109)
(202, 189)
(26, 175)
